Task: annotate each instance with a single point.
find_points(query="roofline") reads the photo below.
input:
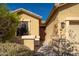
(27, 12)
(53, 11)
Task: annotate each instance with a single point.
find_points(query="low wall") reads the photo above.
(29, 41)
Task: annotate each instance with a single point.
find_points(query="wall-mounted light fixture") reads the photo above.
(62, 24)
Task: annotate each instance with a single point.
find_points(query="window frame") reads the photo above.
(27, 24)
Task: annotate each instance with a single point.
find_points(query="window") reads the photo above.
(22, 28)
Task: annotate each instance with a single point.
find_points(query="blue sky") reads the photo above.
(42, 9)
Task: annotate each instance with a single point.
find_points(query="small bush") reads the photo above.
(13, 49)
(59, 47)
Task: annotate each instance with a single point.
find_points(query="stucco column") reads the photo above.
(67, 29)
(59, 27)
(37, 40)
(29, 26)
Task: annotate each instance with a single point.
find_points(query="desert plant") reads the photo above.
(13, 49)
(63, 46)
(58, 47)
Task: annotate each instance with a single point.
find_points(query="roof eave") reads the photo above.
(27, 12)
(53, 12)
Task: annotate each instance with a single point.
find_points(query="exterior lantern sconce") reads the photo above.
(62, 25)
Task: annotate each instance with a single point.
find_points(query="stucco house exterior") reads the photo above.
(63, 21)
(30, 24)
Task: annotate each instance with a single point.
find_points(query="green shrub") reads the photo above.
(13, 49)
(8, 24)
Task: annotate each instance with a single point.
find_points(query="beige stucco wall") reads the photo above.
(29, 44)
(72, 11)
(33, 24)
(64, 12)
(50, 29)
(69, 14)
(73, 14)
